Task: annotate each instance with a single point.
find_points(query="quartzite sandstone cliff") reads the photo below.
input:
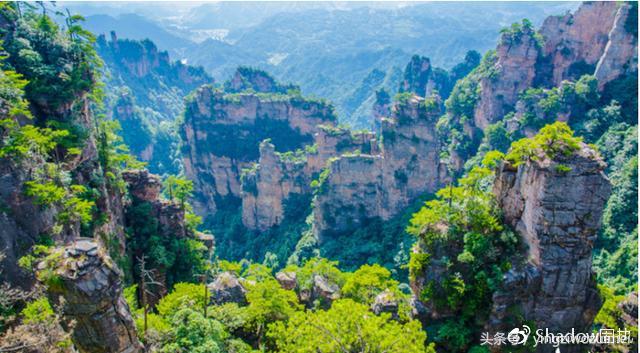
(361, 187)
(222, 134)
(557, 215)
(88, 285)
(595, 40)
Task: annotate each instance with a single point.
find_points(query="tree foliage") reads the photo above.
(347, 327)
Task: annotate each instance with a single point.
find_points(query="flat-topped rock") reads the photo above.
(89, 288)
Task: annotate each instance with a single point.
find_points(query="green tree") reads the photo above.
(368, 281)
(192, 332)
(183, 295)
(348, 327)
(268, 303)
(178, 188)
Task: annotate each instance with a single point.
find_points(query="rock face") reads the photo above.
(22, 220)
(386, 302)
(18, 233)
(324, 291)
(145, 187)
(557, 215)
(350, 195)
(287, 280)
(265, 189)
(168, 217)
(513, 71)
(621, 53)
(279, 178)
(149, 90)
(424, 80)
(599, 39)
(575, 42)
(91, 287)
(227, 289)
(222, 134)
(333, 141)
(417, 76)
(360, 187)
(141, 59)
(321, 294)
(381, 109)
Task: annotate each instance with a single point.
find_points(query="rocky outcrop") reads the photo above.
(381, 109)
(222, 134)
(361, 187)
(142, 184)
(247, 78)
(281, 177)
(266, 188)
(424, 80)
(140, 59)
(226, 288)
(417, 76)
(574, 43)
(599, 39)
(93, 306)
(23, 220)
(621, 53)
(149, 91)
(167, 218)
(513, 71)
(557, 214)
(145, 187)
(321, 294)
(331, 141)
(21, 224)
(386, 302)
(350, 195)
(287, 280)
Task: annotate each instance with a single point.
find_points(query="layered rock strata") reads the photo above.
(514, 71)
(278, 177)
(557, 214)
(93, 306)
(598, 39)
(222, 134)
(360, 187)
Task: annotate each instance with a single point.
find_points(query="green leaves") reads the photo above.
(28, 141)
(368, 281)
(38, 311)
(183, 294)
(112, 151)
(192, 332)
(45, 194)
(268, 303)
(178, 188)
(347, 327)
(462, 239)
(553, 141)
(317, 266)
(74, 207)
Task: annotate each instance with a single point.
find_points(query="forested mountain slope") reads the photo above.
(343, 52)
(145, 93)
